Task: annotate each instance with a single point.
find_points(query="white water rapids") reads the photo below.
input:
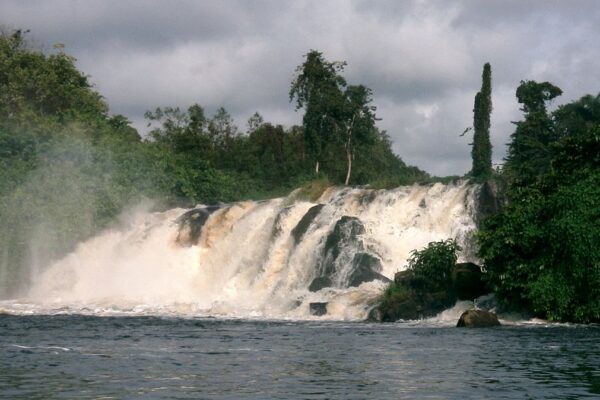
(246, 262)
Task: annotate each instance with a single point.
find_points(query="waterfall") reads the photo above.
(267, 259)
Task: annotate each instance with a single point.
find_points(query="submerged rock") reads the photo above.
(478, 319)
(318, 309)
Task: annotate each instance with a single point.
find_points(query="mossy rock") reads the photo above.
(478, 319)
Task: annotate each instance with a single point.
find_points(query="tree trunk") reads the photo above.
(317, 168)
(349, 155)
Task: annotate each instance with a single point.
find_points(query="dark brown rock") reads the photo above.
(492, 198)
(468, 281)
(318, 309)
(478, 319)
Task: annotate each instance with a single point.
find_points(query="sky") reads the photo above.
(422, 59)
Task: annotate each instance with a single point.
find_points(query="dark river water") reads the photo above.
(84, 357)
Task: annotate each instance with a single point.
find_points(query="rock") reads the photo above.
(375, 315)
(319, 283)
(318, 309)
(344, 236)
(468, 281)
(408, 303)
(191, 223)
(281, 215)
(403, 277)
(477, 319)
(492, 198)
(365, 268)
(304, 223)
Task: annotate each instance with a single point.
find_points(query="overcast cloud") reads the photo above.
(423, 59)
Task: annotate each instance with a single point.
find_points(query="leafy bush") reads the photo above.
(542, 254)
(435, 262)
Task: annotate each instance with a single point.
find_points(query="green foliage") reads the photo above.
(529, 154)
(34, 85)
(435, 262)
(310, 191)
(482, 147)
(318, 88)
(395, 293)
(339, 133)
(541, 251)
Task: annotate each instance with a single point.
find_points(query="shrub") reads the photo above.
(435, 262)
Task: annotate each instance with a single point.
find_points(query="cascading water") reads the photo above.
(266, 259)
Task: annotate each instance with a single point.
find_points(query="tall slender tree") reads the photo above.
(482, 147)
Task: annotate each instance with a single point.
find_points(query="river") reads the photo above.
(92, 357)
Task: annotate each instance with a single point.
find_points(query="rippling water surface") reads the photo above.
(87, 357)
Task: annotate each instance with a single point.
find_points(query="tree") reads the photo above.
(541, 250)
(34, 85)
(318, 88)
(482, 147)
(255, 122)
(358, 121)
(529, 152)
(222, 129)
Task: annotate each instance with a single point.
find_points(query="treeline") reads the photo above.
(68, 167)
(541, 252)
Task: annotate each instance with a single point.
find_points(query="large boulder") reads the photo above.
(365, 268)
(478, 319)
(412, 304)
(344, 249)
(468, 281)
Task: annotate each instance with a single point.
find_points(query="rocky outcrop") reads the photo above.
(320, 282)
(414, 297)
(191, 223)
(304, 223)
(318, 309)
(468, 282)
(365, 268)
(478, 319)
(343, 248)
(492, 197)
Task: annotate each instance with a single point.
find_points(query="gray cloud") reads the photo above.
(423, 59)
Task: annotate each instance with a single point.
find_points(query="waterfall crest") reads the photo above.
(267, 259)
